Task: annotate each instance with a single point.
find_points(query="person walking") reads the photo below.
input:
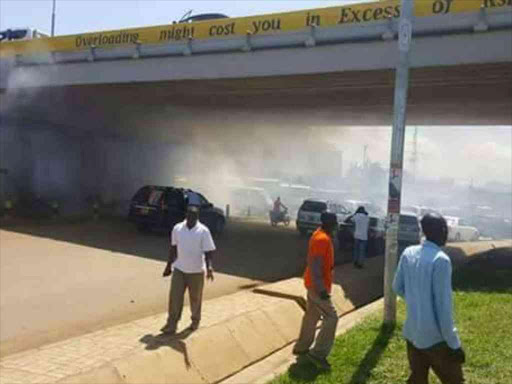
(361, 221)
(190, 255)
(318, 282)
(424, 280)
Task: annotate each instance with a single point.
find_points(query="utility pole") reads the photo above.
(414, 155)
(397, 157)
(471, 190)
(53, 17)
(341, 164)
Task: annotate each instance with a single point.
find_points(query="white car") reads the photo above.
(308, 217)
(459, 230)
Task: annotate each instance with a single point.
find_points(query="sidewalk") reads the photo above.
(236, 330)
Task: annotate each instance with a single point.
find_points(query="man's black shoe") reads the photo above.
(166, 330)
(192, 327)
(321, 364)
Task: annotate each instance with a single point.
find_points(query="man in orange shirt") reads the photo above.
(318, 281)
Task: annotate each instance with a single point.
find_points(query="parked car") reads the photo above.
(188, 18)
(308, 217)
(249, 201)
(494, 227)
(416, 209)
(460, 230)
(371, 208)
(163, 207)
(376, 236)
(409, 231)
(19, 34)
(419, 210)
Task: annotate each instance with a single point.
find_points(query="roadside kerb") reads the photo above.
(278, 363)
(237, 330)
(461, 253)
(218, 351)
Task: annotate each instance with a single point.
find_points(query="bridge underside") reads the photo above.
(452, 95)
(70, 143)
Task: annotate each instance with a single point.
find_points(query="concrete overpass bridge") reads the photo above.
(330, 67)
(461, 73)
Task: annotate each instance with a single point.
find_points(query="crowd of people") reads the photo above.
(423, 279)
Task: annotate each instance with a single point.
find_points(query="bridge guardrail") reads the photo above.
(246, 33)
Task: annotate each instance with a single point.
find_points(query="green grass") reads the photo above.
(372, 354)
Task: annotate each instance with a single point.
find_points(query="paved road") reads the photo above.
(62, 280)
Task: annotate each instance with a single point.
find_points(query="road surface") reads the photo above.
(62, 280)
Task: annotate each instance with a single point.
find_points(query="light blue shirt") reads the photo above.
(424, 279)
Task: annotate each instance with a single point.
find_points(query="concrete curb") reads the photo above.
(208, 355)
(461, 253)
(212, 354)
(278, 363)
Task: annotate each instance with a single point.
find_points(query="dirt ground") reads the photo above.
(59, 280)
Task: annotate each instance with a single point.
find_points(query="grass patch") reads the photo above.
(371, 353)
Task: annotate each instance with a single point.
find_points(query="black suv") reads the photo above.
(163, 207)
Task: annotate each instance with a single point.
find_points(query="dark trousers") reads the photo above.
(438, 357)
(180, 282)
(360, 250)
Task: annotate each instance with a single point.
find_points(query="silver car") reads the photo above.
(409, 231)
(308, 217)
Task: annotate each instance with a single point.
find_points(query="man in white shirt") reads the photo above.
(190, 256)
(362, 222)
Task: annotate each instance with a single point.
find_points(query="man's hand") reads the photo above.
(173, 254)
(459, 355)
(167, 270)
(324, 295)
(209, 274)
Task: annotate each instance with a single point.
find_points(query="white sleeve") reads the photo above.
(174, 236)
(207, 243)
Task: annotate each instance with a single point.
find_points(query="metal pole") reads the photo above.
(397, 158)
(53, 18)
(341, 164)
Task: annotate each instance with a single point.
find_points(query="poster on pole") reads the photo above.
(395, 186)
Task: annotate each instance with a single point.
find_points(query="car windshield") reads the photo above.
(314, 206)
(142, 195)
(155, 196)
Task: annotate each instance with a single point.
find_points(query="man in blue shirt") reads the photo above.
(424, 280)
